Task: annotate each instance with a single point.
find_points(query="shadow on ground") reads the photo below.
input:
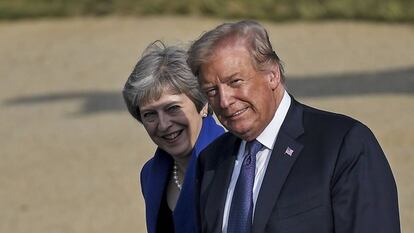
(398, 81)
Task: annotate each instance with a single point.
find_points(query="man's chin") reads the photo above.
(242, 133)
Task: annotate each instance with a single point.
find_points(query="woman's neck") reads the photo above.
(182, 163)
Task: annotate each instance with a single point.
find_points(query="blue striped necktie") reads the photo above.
(241, 210)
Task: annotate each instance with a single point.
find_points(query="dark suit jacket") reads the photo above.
(336, 180)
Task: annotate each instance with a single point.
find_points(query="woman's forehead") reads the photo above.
(154, 94)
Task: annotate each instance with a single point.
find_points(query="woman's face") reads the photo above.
(172, 122)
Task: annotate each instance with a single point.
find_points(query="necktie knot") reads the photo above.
(253, 147)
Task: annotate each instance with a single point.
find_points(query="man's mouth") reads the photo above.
(238, 113)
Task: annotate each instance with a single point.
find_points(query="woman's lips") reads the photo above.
(172, 136)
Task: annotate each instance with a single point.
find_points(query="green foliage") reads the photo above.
(384, 10)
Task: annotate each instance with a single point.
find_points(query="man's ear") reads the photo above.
(274, 77)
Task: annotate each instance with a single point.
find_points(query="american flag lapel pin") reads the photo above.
(289, 151)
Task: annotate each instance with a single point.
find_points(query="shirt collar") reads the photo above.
(269, 134)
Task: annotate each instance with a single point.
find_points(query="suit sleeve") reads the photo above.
(363, 189)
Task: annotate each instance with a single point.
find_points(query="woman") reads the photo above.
(164, 96)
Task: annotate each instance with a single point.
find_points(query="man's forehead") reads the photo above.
(229, 43)
(231, 38)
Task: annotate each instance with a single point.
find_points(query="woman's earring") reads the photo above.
(204, 111)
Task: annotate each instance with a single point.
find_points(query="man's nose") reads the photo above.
(225, 96)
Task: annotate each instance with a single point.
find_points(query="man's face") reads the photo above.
(243, 98)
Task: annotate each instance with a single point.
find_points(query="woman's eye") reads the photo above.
(149, 116)
(174, 108)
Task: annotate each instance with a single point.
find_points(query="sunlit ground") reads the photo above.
(70, 153)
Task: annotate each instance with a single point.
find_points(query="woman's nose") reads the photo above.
(164, 122)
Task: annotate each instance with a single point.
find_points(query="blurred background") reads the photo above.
(70, 153)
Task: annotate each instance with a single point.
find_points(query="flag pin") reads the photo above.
(289, 151)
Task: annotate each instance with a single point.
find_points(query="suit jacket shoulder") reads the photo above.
(214, 153)
(326, 120)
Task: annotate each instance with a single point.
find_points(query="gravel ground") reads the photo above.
(71, 154)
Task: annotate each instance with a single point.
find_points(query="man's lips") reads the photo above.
(236, 114)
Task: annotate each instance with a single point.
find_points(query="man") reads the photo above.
(313, 171)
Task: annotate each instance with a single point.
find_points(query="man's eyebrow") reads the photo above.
(204, 85)
(228, 77)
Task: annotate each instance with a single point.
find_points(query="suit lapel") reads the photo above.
(220, 178)
(285, 152)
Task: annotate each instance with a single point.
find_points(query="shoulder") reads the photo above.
(325, 122)
(351, 138)
(209, 132)
(145, 171)
(144, 174)
(328, 129)
(220, 142)
(220, 148)
(326, 117)
(147, 166)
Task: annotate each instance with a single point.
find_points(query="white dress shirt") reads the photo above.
(267, 138)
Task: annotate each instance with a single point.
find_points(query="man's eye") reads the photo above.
(211, 92)
(235, 82)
